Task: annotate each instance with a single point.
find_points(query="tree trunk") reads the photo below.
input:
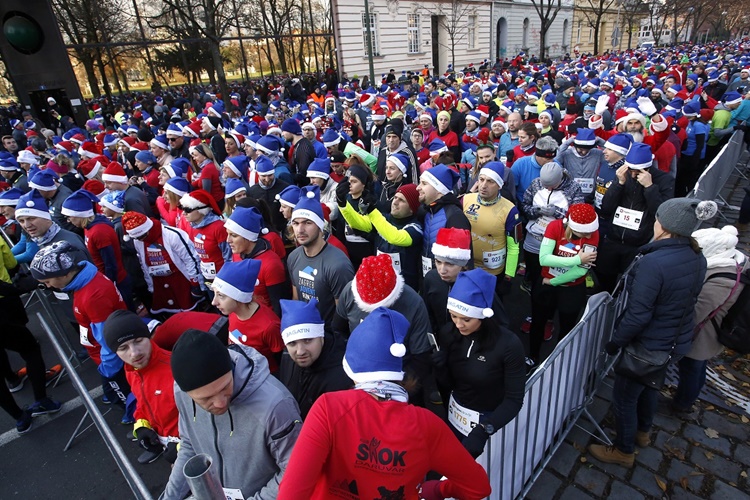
(103, 73)
(596, 39)
(218, 66)
(88, 66)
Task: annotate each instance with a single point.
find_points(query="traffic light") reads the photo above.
(23, 33)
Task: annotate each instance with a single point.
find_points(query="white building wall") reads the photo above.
(392, 34)
(558, 40)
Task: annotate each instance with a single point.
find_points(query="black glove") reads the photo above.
(475, 441)
(505, 286)
(342, 191)
(440, 358)
(611, 348)
(147, 439)
(367, 203)
(170, 455)
(25, 282)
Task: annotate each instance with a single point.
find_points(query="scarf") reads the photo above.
(84, 276)
(727, 258)
(384, 389)
(527, 148)
(47, 237)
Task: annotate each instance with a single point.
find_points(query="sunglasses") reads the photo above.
(188, 210)
(172, 139)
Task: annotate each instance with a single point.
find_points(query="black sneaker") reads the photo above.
(44, 407)
(23, 424)
(16, 384)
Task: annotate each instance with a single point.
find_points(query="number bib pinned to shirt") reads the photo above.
(627, 218)
(462, 418)
(426, 265)
(586, 183)
(494, 259)
(395, 259)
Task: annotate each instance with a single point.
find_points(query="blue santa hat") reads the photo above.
(264, 166)
(473, 116)
(619, 143)
(494, 170)
(472, 294)
(110, 140)
(10, 197)
(268, 144)
(237, 280)
(320, 168)
(114, 200)
(441, 177)
(234, 187)
(300, 320)
(178, 167)
(400, 160)
(238, 164)
(174, 130)
(585, 138)
(246, 222)
(9, 164)
(44, 180)
(691, 109)
(376, 348)
(289, 196)
(80, 204)
(639, 157)
(437, 146)
(291, 126)
(331, 138)
(732, 97)
(32, 204)
(177, 185)
(146, 157)
(308, 207)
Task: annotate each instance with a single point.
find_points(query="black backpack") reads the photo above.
(734, 330)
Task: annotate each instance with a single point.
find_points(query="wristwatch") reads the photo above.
(488, 428)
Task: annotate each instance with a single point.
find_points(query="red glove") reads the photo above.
(430, 490)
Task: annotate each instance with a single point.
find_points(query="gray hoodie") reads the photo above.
(251, 443)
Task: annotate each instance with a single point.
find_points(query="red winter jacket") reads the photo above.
(153, 387)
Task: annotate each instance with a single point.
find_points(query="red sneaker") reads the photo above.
(549, 330)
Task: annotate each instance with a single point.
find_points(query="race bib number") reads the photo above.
(463, 419)
(539, 226)
(587, 184)
(494, 259)
(627, 218)
(233, 494)
(395, 259)
(558, 271)
(426, 265)
(83, 333)
(160, 270)
(208, 269)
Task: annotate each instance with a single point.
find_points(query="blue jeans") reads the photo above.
(692, 379)
(634, 407)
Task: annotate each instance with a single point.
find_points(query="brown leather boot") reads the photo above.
(611, 455)
(642, 439)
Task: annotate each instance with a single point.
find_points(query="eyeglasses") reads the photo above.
(172, 139)
(188, 210)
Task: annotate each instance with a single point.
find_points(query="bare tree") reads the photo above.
(547, 11)
(658, 16)
(633, 11)
(593, 11)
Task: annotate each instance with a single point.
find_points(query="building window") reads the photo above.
(412, 24)
(591, 34)
(578, 33)
(525, 40)
(373, 33)
(472, 32)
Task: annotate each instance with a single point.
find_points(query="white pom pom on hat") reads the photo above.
(398, 350)
(487, 312)
(310, 194)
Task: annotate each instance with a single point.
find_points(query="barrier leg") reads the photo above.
(77, 432)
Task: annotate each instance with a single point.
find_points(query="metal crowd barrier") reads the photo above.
(557, 395)
(60, 341)
(715, 176)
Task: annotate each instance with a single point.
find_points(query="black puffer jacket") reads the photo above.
(663, 287)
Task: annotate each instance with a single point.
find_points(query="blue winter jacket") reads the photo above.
(663, 287)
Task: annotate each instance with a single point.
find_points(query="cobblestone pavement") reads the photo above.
(702, 455)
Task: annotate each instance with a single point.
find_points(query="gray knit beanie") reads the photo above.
(681, 216)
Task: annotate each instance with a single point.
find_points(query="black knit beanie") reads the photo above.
(122, 326)
(199, 358)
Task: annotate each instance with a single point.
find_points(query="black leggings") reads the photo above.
(567, 301)
(18, 338)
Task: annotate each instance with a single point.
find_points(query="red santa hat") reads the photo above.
(193, 130)
(136, 224)
(483, 110)
(366, 99)
(376, 284)
(453, 245)
(114, 173)
(582, 218)
(200, 199)
(89, 168)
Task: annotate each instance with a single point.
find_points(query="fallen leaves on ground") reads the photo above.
(709, 455)
(661, 484)
(711, 433)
